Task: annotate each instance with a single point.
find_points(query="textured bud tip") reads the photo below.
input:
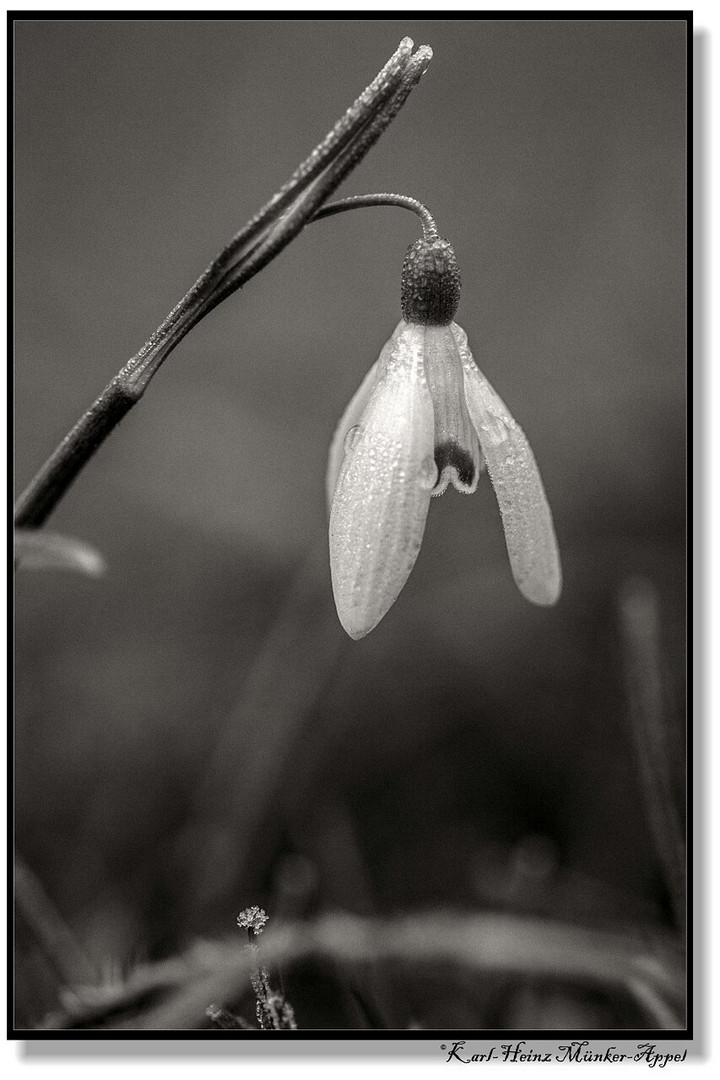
(430, 287)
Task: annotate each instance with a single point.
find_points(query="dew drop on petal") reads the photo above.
(428, 472)
(351, 439)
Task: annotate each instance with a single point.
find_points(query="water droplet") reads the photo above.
(428, 472)
(352, 438)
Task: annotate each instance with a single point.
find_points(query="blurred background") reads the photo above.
(194, 731)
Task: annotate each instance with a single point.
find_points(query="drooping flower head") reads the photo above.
(423, 418)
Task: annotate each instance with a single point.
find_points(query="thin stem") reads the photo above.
(354, 202)
(250, 250)
(272, 1011)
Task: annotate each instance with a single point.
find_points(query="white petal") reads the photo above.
(349, 419)
(526, 517)
(383, 491)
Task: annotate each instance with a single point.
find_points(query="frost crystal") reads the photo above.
(252, 918)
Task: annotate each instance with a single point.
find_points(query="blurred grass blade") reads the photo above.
(653, 736)
(57, 941)
(240, 790)
(644, 963)
(221, 1018)
(51, 551)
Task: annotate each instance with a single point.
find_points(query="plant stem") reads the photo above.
(250, 250)
(54, 478)
(354, 202)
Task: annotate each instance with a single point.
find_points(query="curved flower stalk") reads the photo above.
(425, 417)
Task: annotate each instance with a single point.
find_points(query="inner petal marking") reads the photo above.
(451, 456)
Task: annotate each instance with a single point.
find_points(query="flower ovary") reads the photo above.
(430, 284)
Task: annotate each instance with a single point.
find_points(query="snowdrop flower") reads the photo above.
(425, 417)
